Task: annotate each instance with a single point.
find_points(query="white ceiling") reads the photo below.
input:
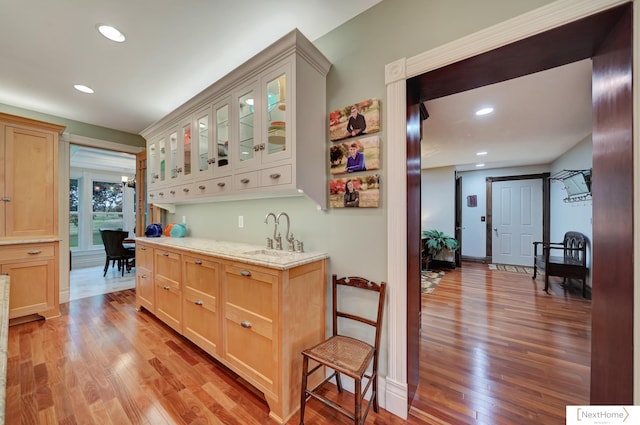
(536, 119)
(175, 49)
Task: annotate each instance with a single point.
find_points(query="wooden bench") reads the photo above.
(571, 263)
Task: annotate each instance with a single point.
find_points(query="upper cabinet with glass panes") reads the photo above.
(260, 131)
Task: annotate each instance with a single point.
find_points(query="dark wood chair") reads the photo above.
(570, 261)
(346, 355)
(116, 251)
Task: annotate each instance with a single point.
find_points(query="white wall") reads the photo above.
(438, 199)
(567, 216)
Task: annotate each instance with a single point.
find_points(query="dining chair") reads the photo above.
(346, 355)
(115, 250)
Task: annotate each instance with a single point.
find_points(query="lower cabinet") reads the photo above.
(254, 319)
(144, 277)
(200, 311)
(33, 272)
(167, 276)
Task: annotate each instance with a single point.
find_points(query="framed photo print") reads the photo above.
(361, 191)
(355, 120)
(355, 154)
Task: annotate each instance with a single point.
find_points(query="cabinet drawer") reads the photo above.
(158, 195)
(167, 267)
(201, 275)
(245, 181)
(144, 256)
(181, 192)
(219, 186)
(251, 290)
(275, 176)
(26, 252)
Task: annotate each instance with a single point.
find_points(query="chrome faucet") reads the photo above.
(277, 238)
(288, 236)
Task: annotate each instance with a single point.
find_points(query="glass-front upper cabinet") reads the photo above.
(162, 161)
(152, 162)
(276, 103)
(247, 109)
(203, 139)
(277, 108)
(185, 152)
(223, 167)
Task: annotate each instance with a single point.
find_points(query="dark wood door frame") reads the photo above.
(546, 206)
(607, 38)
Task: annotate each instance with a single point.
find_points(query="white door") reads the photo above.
(516, 220)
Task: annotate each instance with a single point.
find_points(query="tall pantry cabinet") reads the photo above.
(29, 239)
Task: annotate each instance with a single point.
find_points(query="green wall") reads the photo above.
(79, 128)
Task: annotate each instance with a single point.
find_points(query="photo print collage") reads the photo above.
(354, 154)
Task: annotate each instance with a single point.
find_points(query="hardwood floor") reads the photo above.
(495, 350)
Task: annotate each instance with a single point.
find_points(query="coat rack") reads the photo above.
(577, 184)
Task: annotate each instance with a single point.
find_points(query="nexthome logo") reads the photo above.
(602, 415)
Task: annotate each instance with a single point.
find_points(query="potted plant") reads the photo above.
(434, 242)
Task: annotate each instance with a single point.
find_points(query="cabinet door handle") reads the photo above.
(211, 161)
(275, 176)
(151, 195)
(202, 187)
(166, 254)
(245, 180)
(5, 199)
(173, 192)
(34, 252)
(186, 190)
(245, 324)
(161, 193)
(223, 184)
(166, 287)
(143, 276)
(256, 148)
(262, 146)
(142, 248)
(198, 302)
(245, 273)
(198, 262)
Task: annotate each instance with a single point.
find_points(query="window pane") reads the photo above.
(73, 230)
(107, 197)
(73, 216)
(73, 195)
(105, 221)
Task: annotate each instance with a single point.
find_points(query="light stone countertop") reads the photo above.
(4, 335)
(18, 241)
(236, 251)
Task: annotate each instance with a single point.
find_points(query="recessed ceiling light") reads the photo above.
(83, 88)
(479, 165)
(484, 111)
(111, 33)
(481, 153)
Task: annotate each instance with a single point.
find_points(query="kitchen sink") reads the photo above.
(270, 253)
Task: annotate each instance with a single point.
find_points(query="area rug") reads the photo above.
(430, 280)
(510, 268)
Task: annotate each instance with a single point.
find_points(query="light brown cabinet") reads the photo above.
(28, 178)
(29, 214)
(200, 295)
(250, 312)
(33, 272)
(252, 318)
(167, 277)
(144, 277)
